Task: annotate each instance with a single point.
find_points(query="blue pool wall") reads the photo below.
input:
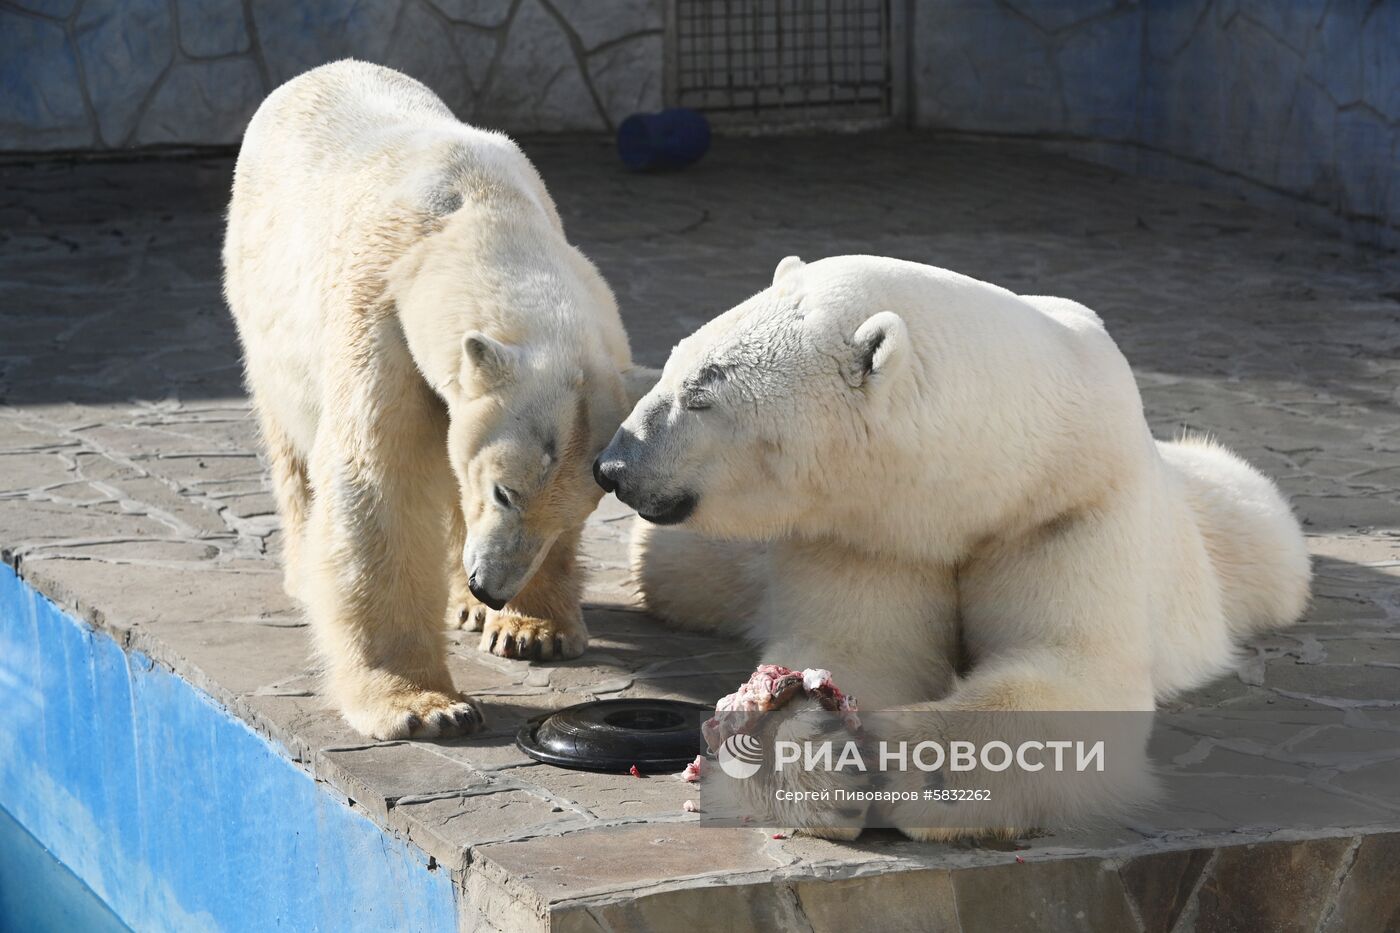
(173, 811)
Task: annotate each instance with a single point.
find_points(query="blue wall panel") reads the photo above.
(172, 810)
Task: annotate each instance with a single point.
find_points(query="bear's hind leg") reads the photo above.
(699, 583)
(293, 494)
(545, 621)
(1255, 543)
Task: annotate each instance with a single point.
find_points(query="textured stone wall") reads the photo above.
(1290, 100)
(110, 74)
(1293, 101)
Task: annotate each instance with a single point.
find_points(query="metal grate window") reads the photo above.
(782, 61)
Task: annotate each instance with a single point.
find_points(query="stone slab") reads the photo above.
(131, 494)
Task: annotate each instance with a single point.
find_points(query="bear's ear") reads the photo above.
(637, 381)
(442, 200)
(486, 363)
(877, 350)
(786, 268)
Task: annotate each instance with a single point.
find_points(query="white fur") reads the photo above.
(417, 331)
(983, 464)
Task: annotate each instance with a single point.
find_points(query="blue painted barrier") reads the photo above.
(173, 811)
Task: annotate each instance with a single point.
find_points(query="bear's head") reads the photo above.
(758, 420)
(522, 437)
(532, 390)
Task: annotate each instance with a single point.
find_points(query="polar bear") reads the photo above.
(872, 460)
(433, 367)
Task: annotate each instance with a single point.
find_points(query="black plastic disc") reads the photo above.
(614, 735)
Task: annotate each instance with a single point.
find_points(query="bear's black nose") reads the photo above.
(608, 475)
(482, 596)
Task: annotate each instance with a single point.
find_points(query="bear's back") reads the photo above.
(357, 119)
(349, 155)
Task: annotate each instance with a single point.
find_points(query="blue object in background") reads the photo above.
(673, 138)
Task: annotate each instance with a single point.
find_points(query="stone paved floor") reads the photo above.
(130, 493)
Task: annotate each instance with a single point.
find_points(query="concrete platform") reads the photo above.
(132, 500)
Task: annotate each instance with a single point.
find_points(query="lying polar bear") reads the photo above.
(420, 340)
(910, 452)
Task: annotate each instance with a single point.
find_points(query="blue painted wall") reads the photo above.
(1290, 100)
(171, 810)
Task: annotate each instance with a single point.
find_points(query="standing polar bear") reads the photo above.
(434, 367)
(914, 455)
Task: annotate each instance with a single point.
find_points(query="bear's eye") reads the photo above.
(698, 393)
(697, 400)
(504, 497)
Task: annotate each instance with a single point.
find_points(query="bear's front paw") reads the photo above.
(810, 726)
(463, 610)
(467, 614)
(530, 639)
(427, 714)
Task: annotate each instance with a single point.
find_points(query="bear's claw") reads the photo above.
(468, 615)
(526, 638)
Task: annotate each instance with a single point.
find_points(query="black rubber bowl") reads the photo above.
(614, 735)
